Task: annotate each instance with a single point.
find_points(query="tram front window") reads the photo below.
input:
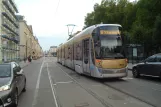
(108, 43)
(111, 47)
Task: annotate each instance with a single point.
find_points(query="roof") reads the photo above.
(108, 25)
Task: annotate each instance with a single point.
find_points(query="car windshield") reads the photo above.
(5, 71)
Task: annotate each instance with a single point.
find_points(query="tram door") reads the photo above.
(86, 56)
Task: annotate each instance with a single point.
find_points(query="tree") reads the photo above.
(157, 33)
(140, 19)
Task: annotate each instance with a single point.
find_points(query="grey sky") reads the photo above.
(49, 22)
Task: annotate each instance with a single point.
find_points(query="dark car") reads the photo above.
(12, 83)
(149, 67)
(1, 103)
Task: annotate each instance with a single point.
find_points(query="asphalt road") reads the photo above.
(147, 89)
(50, 84)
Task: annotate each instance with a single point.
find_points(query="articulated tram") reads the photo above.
(97, 51)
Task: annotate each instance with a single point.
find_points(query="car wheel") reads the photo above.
(135, 73)
(24, 89)
(15, 103)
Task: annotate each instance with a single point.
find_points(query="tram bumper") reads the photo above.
(114, 73)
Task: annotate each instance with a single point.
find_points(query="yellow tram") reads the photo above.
(97, 51)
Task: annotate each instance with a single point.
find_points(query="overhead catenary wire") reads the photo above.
(57, 8)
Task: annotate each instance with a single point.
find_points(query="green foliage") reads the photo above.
(140, 20)
(157, 32)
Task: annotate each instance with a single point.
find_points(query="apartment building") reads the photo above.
(29, 44)
(37, 49)
(9, 41)
(52, 50)
(25, 38)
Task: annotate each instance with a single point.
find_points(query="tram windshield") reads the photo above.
(109, 44)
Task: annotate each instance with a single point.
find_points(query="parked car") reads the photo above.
(149, 67)
(1, 103)
(12, 83)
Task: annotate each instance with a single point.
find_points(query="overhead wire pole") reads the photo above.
(70, 33)
(72, 29)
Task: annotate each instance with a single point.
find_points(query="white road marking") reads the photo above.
(127, 78)
(64, 82)
(37, 84)
(52, 87)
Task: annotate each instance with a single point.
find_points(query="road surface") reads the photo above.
(49, 84)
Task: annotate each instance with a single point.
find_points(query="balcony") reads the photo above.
(7, 48)
(5, 36)
(5, 14)
(9, 24)
(15, 39)
(14, 6)
(6, 26)
(7, 6)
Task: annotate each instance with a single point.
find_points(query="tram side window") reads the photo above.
(92, 52)
(96, 43)
(71, 52)
(61, 53)
(75, 54)
(66, 52)
(79, 51)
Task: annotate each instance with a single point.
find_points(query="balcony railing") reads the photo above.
(6, 26)
(14, 6)
(7, 6)
(8, 23)
(5, 14)
(15, 39)
(5, 36)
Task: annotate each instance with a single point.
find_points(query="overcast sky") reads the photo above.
(50, 17)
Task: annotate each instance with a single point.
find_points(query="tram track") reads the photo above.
(133, 96)
(105, 103)
(96, 96)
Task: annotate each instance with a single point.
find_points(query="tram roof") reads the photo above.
(89, 29)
